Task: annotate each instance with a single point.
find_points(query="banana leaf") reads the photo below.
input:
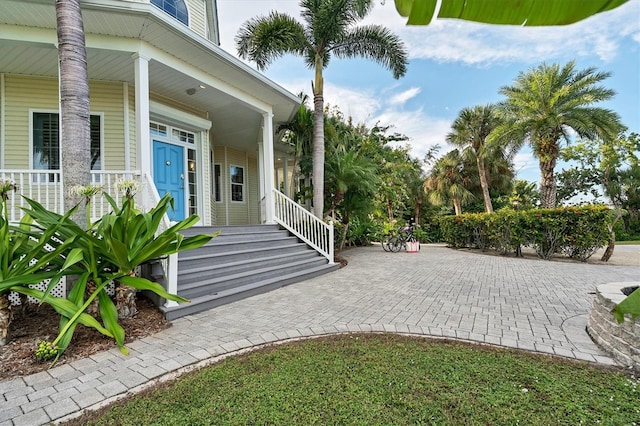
(630, 305)
(505, 12)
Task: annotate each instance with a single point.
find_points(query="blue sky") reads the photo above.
(456, 64)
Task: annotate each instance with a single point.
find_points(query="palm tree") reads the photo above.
(448, 182)
(75, 138)
(544, 104)
(469, 131)
(329, 29)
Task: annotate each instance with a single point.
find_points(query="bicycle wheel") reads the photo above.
(386, 243)
(396, 244)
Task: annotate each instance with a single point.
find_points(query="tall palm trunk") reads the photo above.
(318, 138)
(547, 183)
(457, 205)
(75, 138)
(318, 155)
(488, 207)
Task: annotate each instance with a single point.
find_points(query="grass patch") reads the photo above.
(628, 243)
(372, 379)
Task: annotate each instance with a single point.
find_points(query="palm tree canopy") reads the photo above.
(544, 103)
(505, 12)
(449, 180)
(472, 127)
(329, 30)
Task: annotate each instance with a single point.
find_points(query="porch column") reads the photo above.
(268, 166)
(143, 141)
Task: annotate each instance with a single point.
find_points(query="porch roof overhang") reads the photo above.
(183, 66)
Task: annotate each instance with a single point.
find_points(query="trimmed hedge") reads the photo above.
(576, 232)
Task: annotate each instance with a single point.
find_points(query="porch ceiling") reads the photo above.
(234, 122)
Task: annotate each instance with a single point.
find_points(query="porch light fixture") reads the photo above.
(191, 91)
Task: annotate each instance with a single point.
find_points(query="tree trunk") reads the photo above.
(5, 319)
(610, 247)
(318, 139)
(457, 205)
(345, 230)
(547, 183)
(488, 207)
(75, 138)
(318, 156)
(126, 301)
(416, 211)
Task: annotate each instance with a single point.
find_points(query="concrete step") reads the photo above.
(214, 267)
(196, 258)
(225, 282)
(210, 301)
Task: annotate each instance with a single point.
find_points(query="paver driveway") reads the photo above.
(520, 303)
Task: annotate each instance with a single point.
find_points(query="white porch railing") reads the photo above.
(304, 225)
(46, 188)
(108, 180)
(42, 186)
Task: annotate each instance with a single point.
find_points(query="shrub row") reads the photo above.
(576, 232)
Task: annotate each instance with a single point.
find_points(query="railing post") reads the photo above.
(172, 278)
(331, 243)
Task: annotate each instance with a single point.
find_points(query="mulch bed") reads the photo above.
(37, 323)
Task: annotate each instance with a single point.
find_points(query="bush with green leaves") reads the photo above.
(577, 232)
(362, 231)
(466, 230)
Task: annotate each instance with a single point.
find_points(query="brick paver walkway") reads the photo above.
(529, 304)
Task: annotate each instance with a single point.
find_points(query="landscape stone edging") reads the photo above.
(621, 341)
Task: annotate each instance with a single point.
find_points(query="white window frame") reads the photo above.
(220, 184)
(33, 111)
(242, 185)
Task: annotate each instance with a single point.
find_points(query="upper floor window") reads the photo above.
(175, 8)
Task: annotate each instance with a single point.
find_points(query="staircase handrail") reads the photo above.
(304, 225)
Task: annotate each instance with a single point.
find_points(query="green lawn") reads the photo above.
(628, 243)
(386, 379)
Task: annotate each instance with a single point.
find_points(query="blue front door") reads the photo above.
(168, 175)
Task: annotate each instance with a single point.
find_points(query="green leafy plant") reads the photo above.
(109, 252)
(630, 305)
(30, 255)
(46, 351)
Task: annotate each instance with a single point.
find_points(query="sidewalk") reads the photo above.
(520, 303)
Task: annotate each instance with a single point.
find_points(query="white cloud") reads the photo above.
(526, 165)
(402, 98)
(423, 131)
(480, 44)
(369, 107)
(468, 42)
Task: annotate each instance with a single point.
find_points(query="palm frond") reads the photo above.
(374, 42)
(264, 39)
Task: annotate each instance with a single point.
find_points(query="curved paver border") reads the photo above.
(330, 331)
